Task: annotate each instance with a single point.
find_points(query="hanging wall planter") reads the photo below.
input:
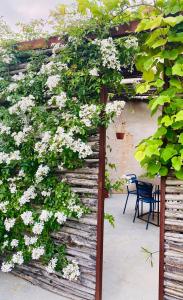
(120, 126)
(120, 135)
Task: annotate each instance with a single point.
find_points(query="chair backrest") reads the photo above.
(132, 178)
(144, 189)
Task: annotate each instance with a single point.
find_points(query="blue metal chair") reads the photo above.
(145, 195)
(132, 178)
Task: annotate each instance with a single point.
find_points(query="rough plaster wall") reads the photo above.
(139, 125)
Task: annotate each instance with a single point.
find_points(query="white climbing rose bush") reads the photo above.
(50, 111)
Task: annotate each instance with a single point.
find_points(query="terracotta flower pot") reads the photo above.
(120, 135)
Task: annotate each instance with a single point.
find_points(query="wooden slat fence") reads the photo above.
(173, 240)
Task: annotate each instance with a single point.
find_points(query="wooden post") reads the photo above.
(100, 217)
(162, 239)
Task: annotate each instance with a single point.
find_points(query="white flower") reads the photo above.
(73, 207)
(52, 265)
(63, 138)
(78, 210)
(7, 267)
(9, 223)
(20, 136)
(8, 157)
(14, 243)
(71, 271)
(13, 188)
(14, 156)
(58, 100)
(42, 171)
(38, 252)
(3, 206)
(46, 193)
(21, 173)
(61, 217)
(45, 215)
(28, 195)
(12, 87)
(56, 47)
(30, 240)
(17, 258)
(87, 112)
(52, 81)
(94, 72)
(47, 68)
(4, 129)
(27, 217)
(5, 56)
(116, 107)
(18, 77)
(5, 244)
(61, 166)
(131, 42)
(38, 228)
(42, 146)
(109, 53)
(23, 106)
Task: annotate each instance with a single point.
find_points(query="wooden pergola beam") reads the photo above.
(43, 43)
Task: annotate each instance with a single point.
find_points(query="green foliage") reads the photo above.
(161, 63)
(110, 219)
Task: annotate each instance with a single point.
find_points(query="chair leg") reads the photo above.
(150, 210)
(126, 204)
(153, 208)
(158, 213)
(136, 210)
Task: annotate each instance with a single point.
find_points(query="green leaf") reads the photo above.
(167, 121)
(152, 150)
(160, 42)
(153, 168)
(150, 23)
(172, 21)
(181, 138)
(176, 163)
(139, 155)
(161, 100)
(158, 83)
(181, 153)
(168, 152)
(177, 69)
(170, 54)
(160, 132)
(175, 37)
(160, 32)
(179, 116)
(163, 171)
(111, 4)
(179, 174)
(148, 75)
(177, 83)
(142, 88)
(110, 218)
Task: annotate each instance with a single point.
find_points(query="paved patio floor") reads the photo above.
(127, 276)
